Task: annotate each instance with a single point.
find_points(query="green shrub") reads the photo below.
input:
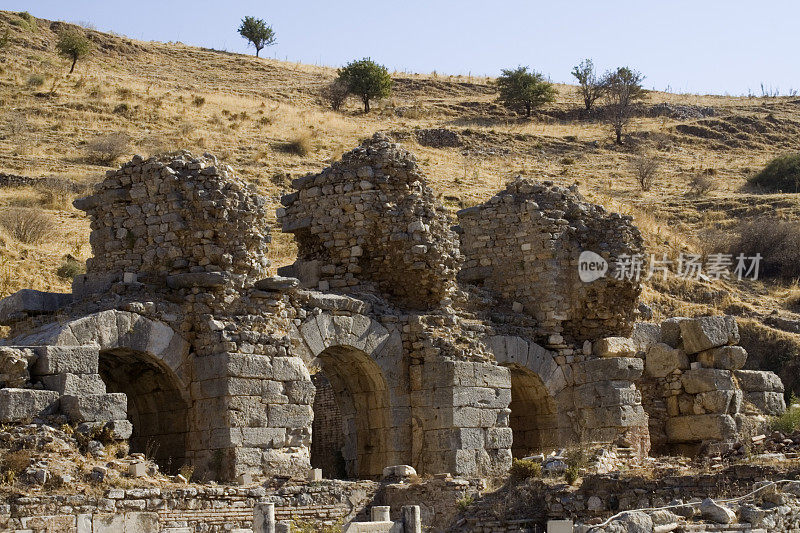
(789, 421)
(73, 45)
(572, 474)
(782, 174)
(198, 101)
(36, 80)
(70, 268)
(522, 469)
(523, 89)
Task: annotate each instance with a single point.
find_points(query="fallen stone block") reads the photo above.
(65, 359)
(698, 428)
(662, 360)
(615, 347)
(18, 405)
(29, 302)
(95, 407)
(758, 380)
(770, 403)
(704, 333)
(120, 429)
(724, 357)
(711, 510)
(707, 379)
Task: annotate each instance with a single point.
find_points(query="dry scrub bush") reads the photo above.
(105, 149)
(778, 242)
(28, 226)
(300, 145)
(645, 166)
(701, 185)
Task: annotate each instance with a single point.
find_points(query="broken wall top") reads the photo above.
(370, 222)
(177, 215)
(524, 244)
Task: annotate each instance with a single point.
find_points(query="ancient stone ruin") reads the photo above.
(397, 336)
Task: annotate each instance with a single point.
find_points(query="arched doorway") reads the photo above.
(538, 420)
(533, 419)
(148, 361)
(363, 364)
(362, 398)
(156, 407)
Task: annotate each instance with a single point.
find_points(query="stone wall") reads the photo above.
(201, 351)
(371, 220)
(524, 245)
(694, 387)
(328, 440)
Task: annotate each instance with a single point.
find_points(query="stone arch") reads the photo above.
(539, 419)
(146, 360)
(363, 363)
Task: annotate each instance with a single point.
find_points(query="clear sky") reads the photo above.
(702, 46)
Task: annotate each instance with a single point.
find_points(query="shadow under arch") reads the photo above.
(362, 362)
(147, 360)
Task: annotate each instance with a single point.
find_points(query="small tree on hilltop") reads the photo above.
(589, 86)
(257, 32)
(622, 89)
(73, 45)
(521, 88)
(366, 79)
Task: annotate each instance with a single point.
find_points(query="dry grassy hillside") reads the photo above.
(265, 118)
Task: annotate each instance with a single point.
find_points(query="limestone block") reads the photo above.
(770, 403)
(719, 401)
(137, 469)
(616, 416)
(704, 333)
(614, 347)
(661, 360)
(671, 331)
(289, 369)
(277, 283)
(28, 301)
(646, 334)
(610, 368)
(758, 380)
(206, 280)
(63, 359)
(497, 438)
(74, 384)
(95, 407)
(14, 363)
(711, 510)
(290, 416)
(606, 394)
(120, 429)
(724, 357)
(697, 428)
(399, 471)
(23, 404)
(707, 379)
(336, 302)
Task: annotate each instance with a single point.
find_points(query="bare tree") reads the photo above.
(645, 166)
(590, 87)
(622, 89)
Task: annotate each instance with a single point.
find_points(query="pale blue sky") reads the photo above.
(689, 46)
